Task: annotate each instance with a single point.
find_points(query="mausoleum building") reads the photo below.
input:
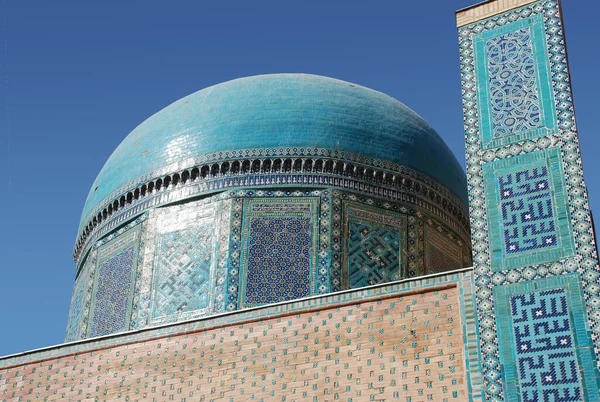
(293, 237)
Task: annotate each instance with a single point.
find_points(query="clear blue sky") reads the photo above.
(79, 76)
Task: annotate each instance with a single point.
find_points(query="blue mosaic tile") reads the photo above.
(544, 345)
(373, 254)
(512, 81)
(529, 221)
(77, 309)
(555, 143)
(545, 348)
(278, 259)
(323, 249)
(183, 272)
(114, 285)
(527, 211)
(516, 95)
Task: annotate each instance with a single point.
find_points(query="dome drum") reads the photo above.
(243, 248)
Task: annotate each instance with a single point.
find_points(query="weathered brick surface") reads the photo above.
(406, 347)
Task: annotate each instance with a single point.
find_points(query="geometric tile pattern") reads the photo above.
(546, 360)
(113, 293)
(373, 254)
(375, 242)
(528, 221)
(114, 285)
(512, 83)
(78, 310)
(277, 203)
(439, 260)
(183, 270)
(279, 250)
(528, 216)
(442, 253)
(408, 220)
(557, 143)
(381, 344)
(177, 264)
(546, 351)
(279, 254)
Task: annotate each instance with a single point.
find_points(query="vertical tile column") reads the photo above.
(536, 268)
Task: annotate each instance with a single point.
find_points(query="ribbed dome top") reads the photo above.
(279, 111)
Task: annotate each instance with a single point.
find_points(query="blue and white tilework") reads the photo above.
(179, 263)
(545, 351)
(373, 246)
(199, 247)
(544, 345)
(184, 274)
(279, 252)
(373, 254)
(515, 89)
(313, 204)
(527, 211)
(512, 80)
(553, 145)
(114, 285)
(80, 302)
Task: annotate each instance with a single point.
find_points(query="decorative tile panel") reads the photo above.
(527, 211)
(529, 221)
(544, 343)
(184, 270)
(373, 246)
(114, 284)
(280, 248)
(325, 244)
(513, 85)
(488, 155)
(179, 263)
(373, 254)
(516, 98)
(80, 302)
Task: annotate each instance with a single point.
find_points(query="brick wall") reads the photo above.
(403, 344)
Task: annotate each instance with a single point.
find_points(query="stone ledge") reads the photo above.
(487, 9)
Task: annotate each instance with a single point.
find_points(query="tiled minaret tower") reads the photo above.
(535, 261)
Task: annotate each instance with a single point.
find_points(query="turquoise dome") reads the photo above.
(279, 111)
